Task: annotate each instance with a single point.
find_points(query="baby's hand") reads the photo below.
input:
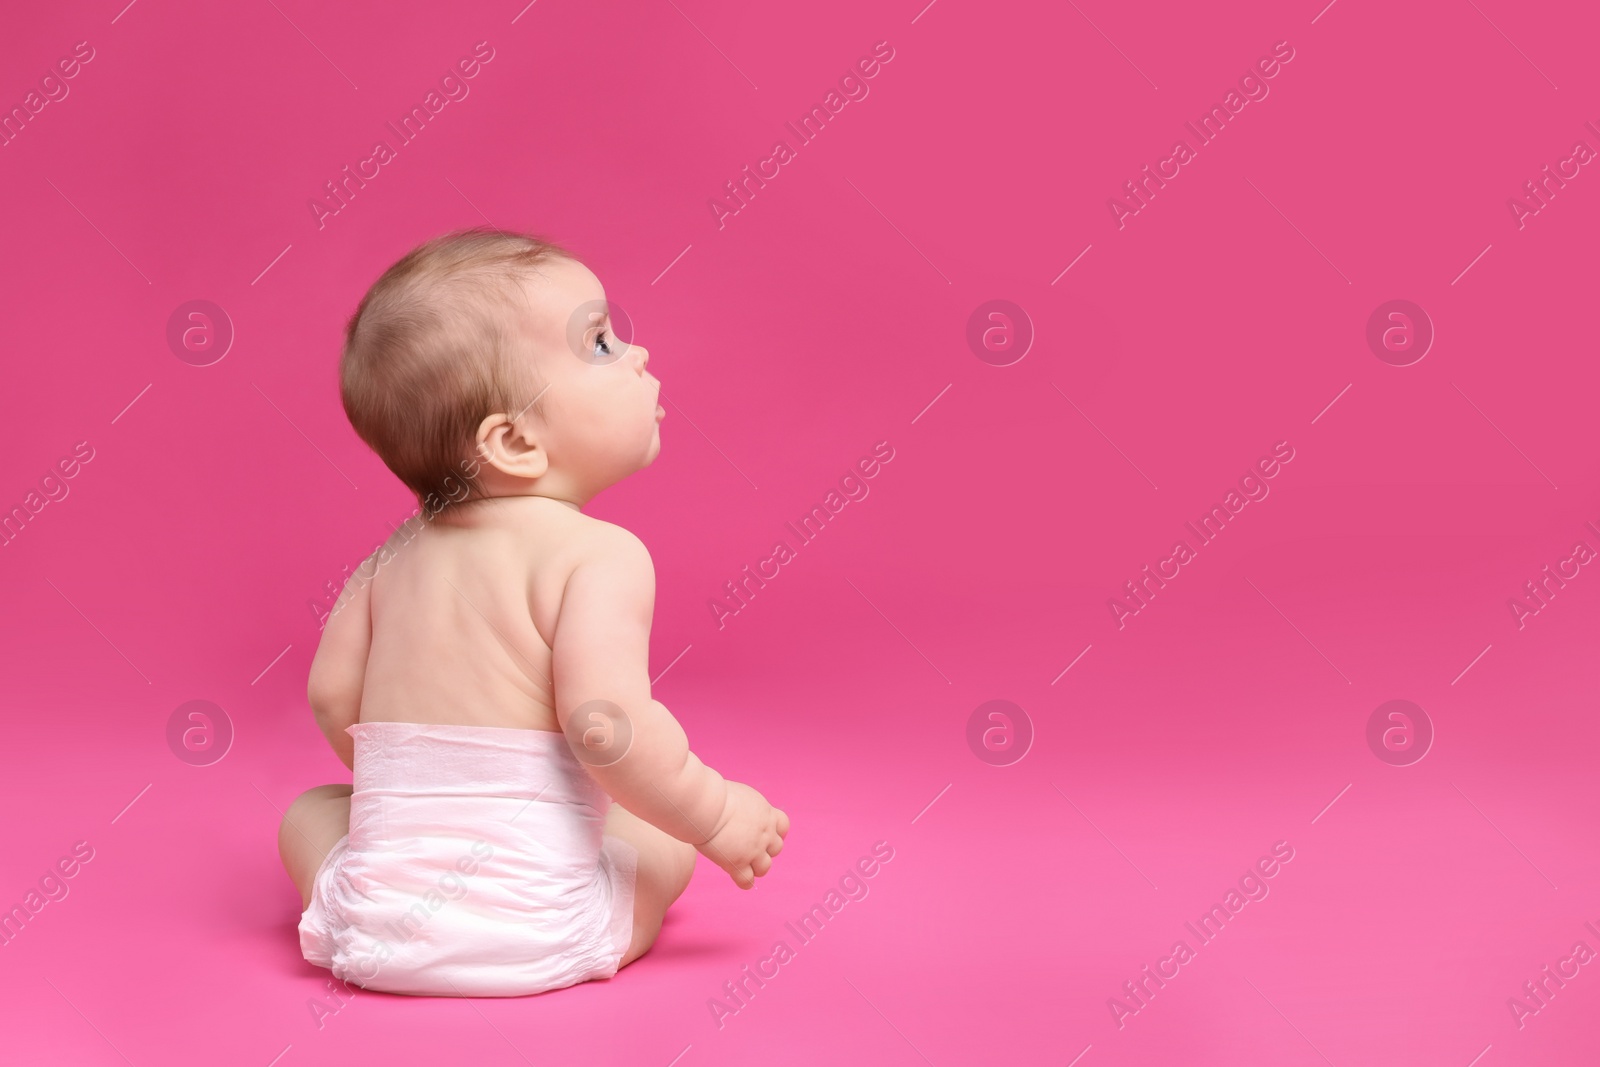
(749, 834)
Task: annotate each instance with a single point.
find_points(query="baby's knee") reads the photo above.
(318, 794)
(312, 798)
(683, 856)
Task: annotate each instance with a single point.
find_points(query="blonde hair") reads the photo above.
(432, 350)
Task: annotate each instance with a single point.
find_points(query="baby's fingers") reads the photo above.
(783, 822)
(742, 877)
(762, 864)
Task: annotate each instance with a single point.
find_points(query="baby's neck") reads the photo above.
(494, 485)
(574, 505)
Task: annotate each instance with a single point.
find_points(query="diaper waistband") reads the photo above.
(419, 759)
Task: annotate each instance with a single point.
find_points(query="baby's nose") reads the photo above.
(642, 355)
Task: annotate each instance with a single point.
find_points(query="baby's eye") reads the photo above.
(600, 346)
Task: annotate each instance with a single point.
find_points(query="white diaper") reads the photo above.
(476, 865)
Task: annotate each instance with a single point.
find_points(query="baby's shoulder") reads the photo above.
(603, 541)
(576, 557)
(570, 539)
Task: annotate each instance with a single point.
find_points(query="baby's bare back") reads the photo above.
(467, 623)
(463, 615)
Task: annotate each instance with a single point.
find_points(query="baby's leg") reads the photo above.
(313, 825)
(665, 867)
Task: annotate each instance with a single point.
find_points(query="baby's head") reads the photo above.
(483, 364)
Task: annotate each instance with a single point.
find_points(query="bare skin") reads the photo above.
(519, 610)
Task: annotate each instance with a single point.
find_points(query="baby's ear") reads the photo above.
(511, 448)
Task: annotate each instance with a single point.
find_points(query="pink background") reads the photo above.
(824, 317)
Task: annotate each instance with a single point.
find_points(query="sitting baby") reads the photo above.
(488, 686)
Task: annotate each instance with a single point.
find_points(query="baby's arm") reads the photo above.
(600, 654)
(340, 666)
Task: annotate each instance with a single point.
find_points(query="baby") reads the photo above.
(488, 686)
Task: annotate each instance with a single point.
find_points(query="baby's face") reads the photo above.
(602, 412)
